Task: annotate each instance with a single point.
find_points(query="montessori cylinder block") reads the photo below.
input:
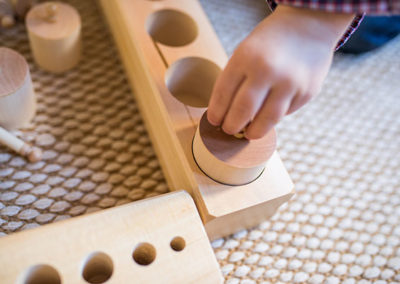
(228, 159)
(17, 98)
(54, 31)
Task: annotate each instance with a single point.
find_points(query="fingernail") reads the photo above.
(211, 121)
(246, 136)
(260, 132)
(227, 132)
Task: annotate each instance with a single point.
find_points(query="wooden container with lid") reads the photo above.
(17, 98)
(54, 31)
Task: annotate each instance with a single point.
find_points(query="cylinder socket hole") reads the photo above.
(178, 243)
(98, 268)
(144, 254)
(42, 274)
(171, 27)
(191, 80)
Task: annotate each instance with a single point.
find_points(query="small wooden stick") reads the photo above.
(238, 135)
(47, 13)
(241, 133)
(32, 153)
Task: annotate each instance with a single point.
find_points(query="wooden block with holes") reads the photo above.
(172, 58)
(157, 240)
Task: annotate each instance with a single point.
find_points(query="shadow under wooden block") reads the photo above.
(141, 242)
(172, 58)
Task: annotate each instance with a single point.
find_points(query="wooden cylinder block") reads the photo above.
(230, 160)
(17, 98)
(54, 31)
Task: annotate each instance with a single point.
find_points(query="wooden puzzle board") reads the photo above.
(140, 242)
(341, 151)
(180, 62)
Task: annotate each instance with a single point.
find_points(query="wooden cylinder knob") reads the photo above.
(6, 14)
(17, 98)
(227, 159)
(54, 31)
(32, 153)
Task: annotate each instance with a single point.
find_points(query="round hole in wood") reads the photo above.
(144, 254)
(191, 80)
(171, 27)
(42, 274)
(97, 268)
(178, 243)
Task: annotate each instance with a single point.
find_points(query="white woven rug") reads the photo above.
(342, 151)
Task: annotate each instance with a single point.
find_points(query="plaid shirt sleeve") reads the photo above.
(377, 7)
(359, 7)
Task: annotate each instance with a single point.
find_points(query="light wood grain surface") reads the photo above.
(157, 240)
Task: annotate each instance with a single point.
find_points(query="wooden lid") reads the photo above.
(237, 152)
(53, 20)
(13, 71)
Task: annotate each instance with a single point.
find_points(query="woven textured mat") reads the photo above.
(342, 151)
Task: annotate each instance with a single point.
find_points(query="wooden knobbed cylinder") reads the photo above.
(17, 98)
(54, 31)
(230, 160)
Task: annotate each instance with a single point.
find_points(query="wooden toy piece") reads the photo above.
(32, 153)
(156, 240)
(6, 14)
(240, 134)
(17, 98)
(7, 21)
(12, 9)
(54, 31)
(21, 7)
(172, 68)
(228, 159)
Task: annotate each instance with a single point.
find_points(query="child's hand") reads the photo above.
(279, 67)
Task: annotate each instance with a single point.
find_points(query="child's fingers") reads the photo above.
(246, 103)
(224, 90)
(274, 108)
(298, 101)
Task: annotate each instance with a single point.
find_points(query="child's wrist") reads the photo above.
(316, 25)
